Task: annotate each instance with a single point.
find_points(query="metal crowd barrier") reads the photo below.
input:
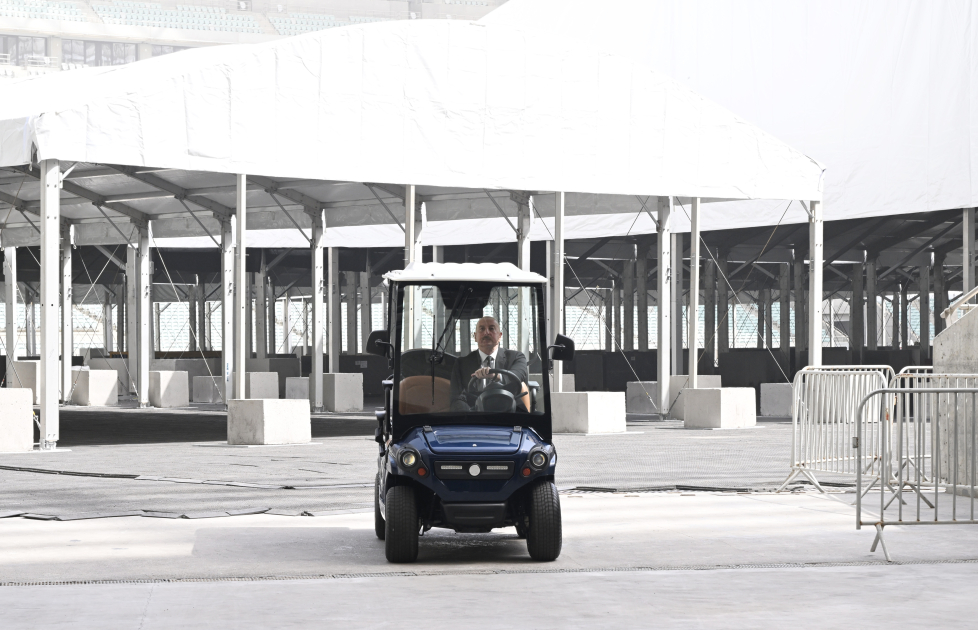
(824, 400)
(929, 449)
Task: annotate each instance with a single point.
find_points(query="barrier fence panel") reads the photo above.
(929, 449)
(824, 402)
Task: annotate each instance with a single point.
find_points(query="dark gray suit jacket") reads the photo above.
(512, 360)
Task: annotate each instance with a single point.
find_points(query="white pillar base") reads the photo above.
(297, 388)
(776, 399)
(16, 421)
(721, 408)
(208, 389)
(588, 412)
(268, 421)
(169, 389)
(95, 388)
(261, 385)
(342, 392)
(25, 377)
(638, 393)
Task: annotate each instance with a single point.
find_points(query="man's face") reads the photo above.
(487, 334)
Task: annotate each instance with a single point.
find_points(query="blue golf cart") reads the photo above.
(465, 432)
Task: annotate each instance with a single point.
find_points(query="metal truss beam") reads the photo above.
(178, 192)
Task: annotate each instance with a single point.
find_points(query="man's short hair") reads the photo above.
(487, 317)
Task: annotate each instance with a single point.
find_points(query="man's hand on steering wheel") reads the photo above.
(485, 372)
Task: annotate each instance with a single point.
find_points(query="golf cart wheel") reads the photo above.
(544, 537)
(380, 527)
(401, 535)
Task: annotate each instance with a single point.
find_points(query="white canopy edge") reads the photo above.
(429, 102)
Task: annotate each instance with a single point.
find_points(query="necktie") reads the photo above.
(488, 364)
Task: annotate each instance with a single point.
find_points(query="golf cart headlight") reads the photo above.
(408, 459)
(538, 459)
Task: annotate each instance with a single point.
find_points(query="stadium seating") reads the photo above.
(187, 17)
(42, 10)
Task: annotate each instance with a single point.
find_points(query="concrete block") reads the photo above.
(679, 384)
(284, 367)
(208, 389)
(341, 392)
(17, 420)
(261, 385)
(641, 397)
(776, 399)
(570, 383)
(637, 394)
(95, 388)
(721, 408)
(24, 376)
(588, 412)
(297, 388)
(169, 389)
(269, 421)
(121, 367)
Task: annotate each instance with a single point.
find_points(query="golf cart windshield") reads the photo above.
(470, 349)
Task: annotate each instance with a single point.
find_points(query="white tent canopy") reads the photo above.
(454, 107)
(885, 92)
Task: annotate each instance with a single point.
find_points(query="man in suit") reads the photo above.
(489, 355)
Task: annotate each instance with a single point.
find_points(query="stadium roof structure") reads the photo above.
(466, 111)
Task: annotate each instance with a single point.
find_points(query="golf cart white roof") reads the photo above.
(455, 272)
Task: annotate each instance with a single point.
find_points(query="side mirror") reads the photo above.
(563, 349)
(378, 343)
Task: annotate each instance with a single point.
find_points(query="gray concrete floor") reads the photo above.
(682, 558)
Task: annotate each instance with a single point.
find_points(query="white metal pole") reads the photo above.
(240, 288)
(694, 290)
(815, 257)
(10, 298)
(227, 307)
(50, 212)
(132, 315)
(261, 311)
(318, 305)
(333, 331)
(676, 302)
(557, 317)
(525, 226)
(67, 339)
(664, 281)
(968, 249)
(144, 293)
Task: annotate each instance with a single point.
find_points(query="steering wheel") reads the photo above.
(497, 395)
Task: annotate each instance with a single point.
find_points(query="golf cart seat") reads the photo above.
(415, 395)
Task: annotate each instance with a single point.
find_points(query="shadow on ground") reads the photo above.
(106, 427)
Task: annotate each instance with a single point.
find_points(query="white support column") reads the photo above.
(67, 338)
(694, 291)
(524, 227)
(366, 308)
(144, 340)
(350, 278)
(815, 257)
(203, 321)
(318, 304)
(261, 311)
(193, 295)
(334, 330)
(107, 332)
(49, 378)
(227, 306)
(557, 316)
(664, 285)
(240, 287)
(10, 312)
(132, 315)
(676, 303)
(412, 252)
(968, 249)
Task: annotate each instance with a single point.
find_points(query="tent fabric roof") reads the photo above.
(885, 93)
(430, 102)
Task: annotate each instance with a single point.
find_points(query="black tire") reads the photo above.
(401, 535)
(544, 537)
(380, 527)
